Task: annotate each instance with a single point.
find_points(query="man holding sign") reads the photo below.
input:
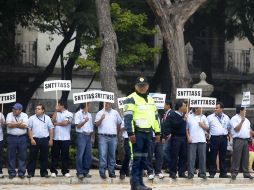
(108, 122)
(2, 123)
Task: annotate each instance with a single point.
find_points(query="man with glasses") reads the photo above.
(40, 132)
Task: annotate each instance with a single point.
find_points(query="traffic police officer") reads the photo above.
(140, 116)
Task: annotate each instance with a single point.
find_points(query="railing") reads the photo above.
(235, 60)
(27, 53)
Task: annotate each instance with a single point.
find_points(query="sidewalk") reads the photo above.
(95, 179)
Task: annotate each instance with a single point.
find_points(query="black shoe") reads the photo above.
(11, 176)
(248, 176)
(233, 177)
(44, 175)
(87, 175)
(147, 188)
(30, 175)
(183, 175)
(173, 176)
(138, 187)
(122, 176)
(80, 176)
(21, 176)
(127, 174)
(112, 175)
(211, 176)
(190, 176)
(224, 176)
(103, 176)
(167, 171)
(203, 176)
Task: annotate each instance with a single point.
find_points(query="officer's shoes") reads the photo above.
(140, 187)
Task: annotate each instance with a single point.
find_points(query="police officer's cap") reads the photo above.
(140, 81)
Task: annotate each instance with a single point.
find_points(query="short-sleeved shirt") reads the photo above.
(1, 127)
(197, 133)
(63, 132)
(22, 117)
(218, 125)
(40, 125)
(80, 116)
(124, 134)
(244, 132)
(109, 123)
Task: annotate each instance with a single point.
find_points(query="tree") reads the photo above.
(171, 16)
(109, 47)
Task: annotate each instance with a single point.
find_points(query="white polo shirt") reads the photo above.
(63, 132)
(244, 132)
(40, 125)
(1, 127)
(80, 117)
(109, 123)
(197, 133)
(22, 117)
(218, 126)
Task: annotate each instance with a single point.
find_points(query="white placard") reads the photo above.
(203, 102)
(120, 102)
(54, 85)
(7, 97)
(246, 99)
(159, 99)
(93, 96)
(187, 93)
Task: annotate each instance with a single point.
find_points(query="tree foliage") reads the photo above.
(133, 36)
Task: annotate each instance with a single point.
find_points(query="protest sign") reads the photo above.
(246, 99)
(203, 102)
(92, 96)
(187, 93)
(159, 99)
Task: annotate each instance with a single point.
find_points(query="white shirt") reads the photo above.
(63, 132)
(124, 134)
(218, 126)
(80, 117)
(197, 133)
(244, 132)
(22, 117)
(109, 123)
(40, 125)
(1, 127)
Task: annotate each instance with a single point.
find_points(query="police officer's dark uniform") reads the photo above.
(140, 116)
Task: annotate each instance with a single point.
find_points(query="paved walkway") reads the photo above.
(95, 179)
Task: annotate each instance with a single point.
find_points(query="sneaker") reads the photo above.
(87, 175)
(160, 175)
(11, 176)
(67, 175)
(151, 177)
(53, 175)
(21, 176)
(1, 175)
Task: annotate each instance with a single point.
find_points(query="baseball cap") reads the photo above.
(17, 106)
(141, 81)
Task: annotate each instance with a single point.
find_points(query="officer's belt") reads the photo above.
(144, 130)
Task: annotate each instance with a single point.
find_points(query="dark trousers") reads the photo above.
(127, 156)
(166, 153)
(240, 155)
(218, 144)
(42, 145)
(60, 148)
(140, 153)
(178, 155)
(156, 150)
(1, 156)
(16, 144)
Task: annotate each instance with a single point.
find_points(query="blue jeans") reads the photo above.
(127, 156)
(84, 153)
(16, 143)
(166, 153)
(107, 154)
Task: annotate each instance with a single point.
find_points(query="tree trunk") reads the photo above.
(70, 64)
(109, 48)
(171, 18)
(27, 94)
